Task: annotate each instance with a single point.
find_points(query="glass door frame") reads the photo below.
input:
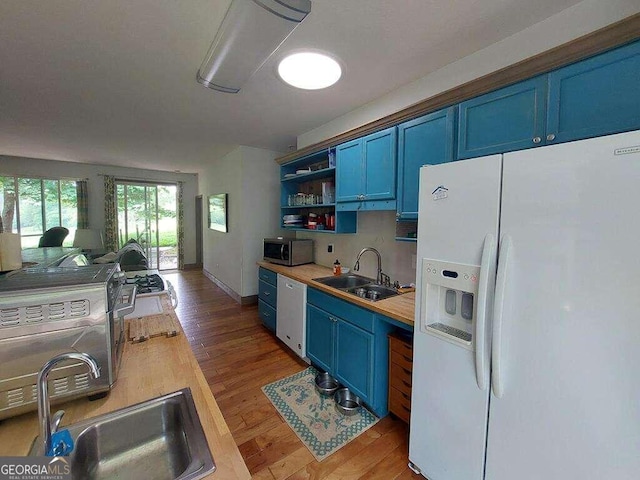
(155, 264)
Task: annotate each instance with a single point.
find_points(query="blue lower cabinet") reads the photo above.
(354, 358)
(320, 335)
(351, 344)
(267, 297)
(268, 315)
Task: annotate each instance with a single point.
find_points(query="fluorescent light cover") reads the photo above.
(250, 32)
(309, 70)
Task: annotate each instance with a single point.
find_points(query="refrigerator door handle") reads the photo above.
(480, 335)
(497, 374)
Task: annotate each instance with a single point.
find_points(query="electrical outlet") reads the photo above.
(330, 248)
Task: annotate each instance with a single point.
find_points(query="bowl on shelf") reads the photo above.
(347, 402)
(325, 384)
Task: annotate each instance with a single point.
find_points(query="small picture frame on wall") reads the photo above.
(218, 212)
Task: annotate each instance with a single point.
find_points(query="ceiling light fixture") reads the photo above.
(250, 32)
(309, 70)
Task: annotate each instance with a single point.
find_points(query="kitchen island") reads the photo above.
(149, 369)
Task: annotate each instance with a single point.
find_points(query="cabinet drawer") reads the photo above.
(268, 276)
(403, 347)
(401, 360)
(400, 404)
(347, 311)
(267, 314)
(267, 293)
(400, 377)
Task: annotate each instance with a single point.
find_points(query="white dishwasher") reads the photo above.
(291, 326)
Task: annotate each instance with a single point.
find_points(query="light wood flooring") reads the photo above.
(238, 356)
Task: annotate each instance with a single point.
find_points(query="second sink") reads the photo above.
(345, 281)
(161, 438)
(358, 285)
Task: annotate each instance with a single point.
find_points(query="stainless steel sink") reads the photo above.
(348, 280)
(357, 285)
(373, 292)
(161, 438)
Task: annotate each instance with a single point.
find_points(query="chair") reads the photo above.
(53, 237)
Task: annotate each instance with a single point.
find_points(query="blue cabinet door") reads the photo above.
(354, 358)
(349, 171)
(379, 150)
(426, 140)
(511, 118)
(320, 337)
(597, 96)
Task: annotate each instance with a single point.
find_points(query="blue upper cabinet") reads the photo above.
(597, 96)
(380, 165)
(349, 168)
(427, 140)
(366, 172)
(511, 118)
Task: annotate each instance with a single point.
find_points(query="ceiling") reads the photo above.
(112, 82)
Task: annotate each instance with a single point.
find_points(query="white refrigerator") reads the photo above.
(527, 333)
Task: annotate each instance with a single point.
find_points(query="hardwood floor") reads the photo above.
(238, 356)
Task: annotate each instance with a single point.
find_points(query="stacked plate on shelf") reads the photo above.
(292, 221)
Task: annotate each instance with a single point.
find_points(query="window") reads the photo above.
(30, 206)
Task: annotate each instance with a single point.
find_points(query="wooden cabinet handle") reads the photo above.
(406, 384)
(408, 372)
(410, 360)
(407, 409)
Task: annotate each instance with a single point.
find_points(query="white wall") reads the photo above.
(251, 178)
(32, 167)
(379, 231)
(375, 229)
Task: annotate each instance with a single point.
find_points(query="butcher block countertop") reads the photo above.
(149, 369)
(400, 307)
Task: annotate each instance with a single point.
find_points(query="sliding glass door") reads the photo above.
(147, 213)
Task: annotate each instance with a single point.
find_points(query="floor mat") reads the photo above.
(313, 417)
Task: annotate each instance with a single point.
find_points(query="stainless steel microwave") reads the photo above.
(288, 251)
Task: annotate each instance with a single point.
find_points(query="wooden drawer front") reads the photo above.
(400, 378)
(267, 314)
(268, 293)
(397, 345)
(402, 360)
(268, 276)
(400, 404)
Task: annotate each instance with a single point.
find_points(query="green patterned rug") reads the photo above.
(313, 417)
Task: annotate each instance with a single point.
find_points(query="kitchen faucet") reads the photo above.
(381, 278)
(49, 426)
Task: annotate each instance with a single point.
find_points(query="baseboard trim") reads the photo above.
(192, 266)
(248, 300)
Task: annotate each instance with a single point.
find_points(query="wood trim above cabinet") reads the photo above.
(616, 34)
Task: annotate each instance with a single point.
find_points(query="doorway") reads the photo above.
(147, 213)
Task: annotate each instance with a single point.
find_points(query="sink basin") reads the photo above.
(357, 285)
(344, 281)
(373, 292)
(159, 439)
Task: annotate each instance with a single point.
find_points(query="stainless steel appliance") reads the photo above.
(48, 311)
(288, 251)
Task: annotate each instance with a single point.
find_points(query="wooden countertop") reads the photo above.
(400, 307)
(149, 369)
